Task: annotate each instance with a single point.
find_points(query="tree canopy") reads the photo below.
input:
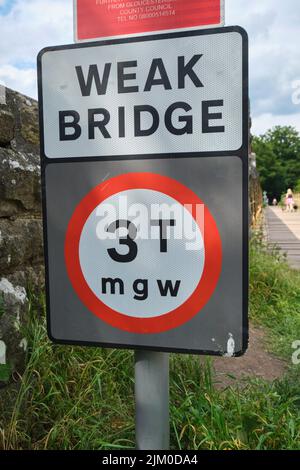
(278, 159)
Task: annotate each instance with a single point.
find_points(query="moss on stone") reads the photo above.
(29, 125)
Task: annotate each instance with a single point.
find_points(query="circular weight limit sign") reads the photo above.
(143, 252)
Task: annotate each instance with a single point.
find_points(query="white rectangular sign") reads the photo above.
(175, 93)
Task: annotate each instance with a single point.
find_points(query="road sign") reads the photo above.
(133, 97)
(108, 290)
(146, 229)
(162, 281)
(98, 19)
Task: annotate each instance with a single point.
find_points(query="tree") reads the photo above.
(297, 187)
(278, 159)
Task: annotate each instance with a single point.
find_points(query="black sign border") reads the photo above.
(241, 153)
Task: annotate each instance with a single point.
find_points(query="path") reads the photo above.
(283, 230)
(257, 362)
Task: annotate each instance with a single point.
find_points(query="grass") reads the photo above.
(82, 398)
(5, 369)
(275, 298)
(5, 373)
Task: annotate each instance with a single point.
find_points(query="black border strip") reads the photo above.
(241, 153)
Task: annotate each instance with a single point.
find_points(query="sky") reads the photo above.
(273, 26)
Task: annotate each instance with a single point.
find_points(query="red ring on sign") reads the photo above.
(212, 247)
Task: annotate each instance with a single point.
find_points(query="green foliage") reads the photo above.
(278, 159)
(5, 369)
(82, 398)
(5, 372)
(297, 186)
(275, 297)
(256, 415)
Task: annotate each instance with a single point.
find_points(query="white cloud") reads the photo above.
(32, 25)
(23, 81)
(266, 121)
(273, 29)
(24, 31)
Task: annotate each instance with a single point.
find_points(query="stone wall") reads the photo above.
(21, 251)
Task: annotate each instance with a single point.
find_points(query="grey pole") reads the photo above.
(152, 400)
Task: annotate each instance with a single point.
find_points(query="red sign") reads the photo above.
(79, 239)
(95, 19)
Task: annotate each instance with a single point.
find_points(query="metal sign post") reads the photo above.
(144, 158)
(152, 400)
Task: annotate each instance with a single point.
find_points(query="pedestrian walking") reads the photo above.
(289, 201)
